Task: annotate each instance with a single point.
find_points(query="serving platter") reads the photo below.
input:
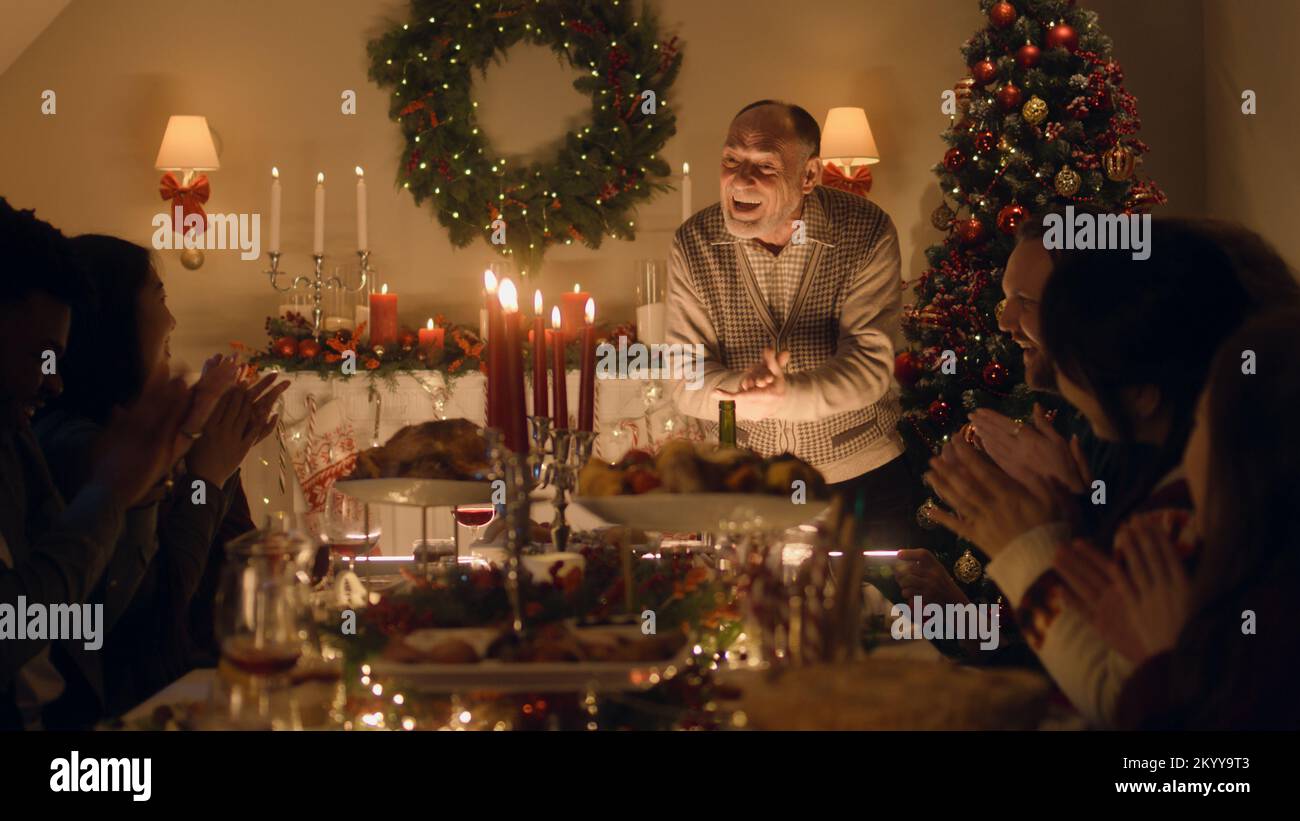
(702, 512)
(417, 492)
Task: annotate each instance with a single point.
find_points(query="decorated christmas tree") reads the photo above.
(1042, 121)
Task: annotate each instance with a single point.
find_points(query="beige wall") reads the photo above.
(268, 76)
(1252, 164)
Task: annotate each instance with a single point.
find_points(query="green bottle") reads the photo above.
(727, 423)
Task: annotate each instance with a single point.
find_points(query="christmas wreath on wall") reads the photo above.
(590, 190)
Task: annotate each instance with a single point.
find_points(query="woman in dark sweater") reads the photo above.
(170, 542)
(1219, 648)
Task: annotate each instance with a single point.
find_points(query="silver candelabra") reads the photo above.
(318, 282)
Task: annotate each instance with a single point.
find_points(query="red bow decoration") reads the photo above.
(189, 198)
(859, 183)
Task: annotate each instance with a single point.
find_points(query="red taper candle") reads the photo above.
(539, 357)
(587, 380)
(559, 379)
(513, 412)
(496, 350)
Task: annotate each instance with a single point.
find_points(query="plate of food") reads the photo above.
(728, 489)
(430, 464)
(557, 657)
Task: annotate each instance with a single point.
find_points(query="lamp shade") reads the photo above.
(187, 146)
(846, 138)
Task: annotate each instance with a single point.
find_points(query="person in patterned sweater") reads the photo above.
(793, 291)
(1131, 342)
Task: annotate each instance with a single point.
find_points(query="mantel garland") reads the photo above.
(591, 187)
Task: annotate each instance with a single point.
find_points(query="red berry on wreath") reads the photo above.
(1027, 56)
(984, 71)
(940, 412)
(286, 347)
(1002, 14)
(1011, 216)
(954, 158)
(996, 374)
(1062, 35)
(308, 348)
(1009, 97)
(907, 369)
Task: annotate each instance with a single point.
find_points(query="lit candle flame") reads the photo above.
(384, 289)
(590, 310)
(275, 173)
(489, 281)
(360, 173)
(555, 317)
(509, 296)
(537, 302)
(576, 289)
(429, 325)
(686, 169)
(320, 178)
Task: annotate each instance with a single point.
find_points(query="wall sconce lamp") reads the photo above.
(847, 149)
(187, 147)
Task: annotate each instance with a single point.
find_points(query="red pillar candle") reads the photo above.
(383, 317)
(513, 412)
(587, 379)
(539, 357)
(431, 338)
(495, 350)
(571, 308)
(560, 381)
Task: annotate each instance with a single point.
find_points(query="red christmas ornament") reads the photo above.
(1011, 216)
(953, 159)
(969, 231)
(1062, 35)
(308, 348)
(940, 412)
(907, 370)
(984, 71)
(996, 374)
(1027, 56)
(984, 142)
(1009, 97)
(285, 347)
(1002, 14)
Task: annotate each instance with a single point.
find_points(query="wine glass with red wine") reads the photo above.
(347, 528)
(475, 517)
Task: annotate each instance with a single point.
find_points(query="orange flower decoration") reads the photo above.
(371, 363)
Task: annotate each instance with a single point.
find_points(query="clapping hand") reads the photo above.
(989, 508)
(242, 418)
(1025, 451)
(1139, 603)
(761, 388)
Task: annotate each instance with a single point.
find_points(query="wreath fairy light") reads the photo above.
(591, 188)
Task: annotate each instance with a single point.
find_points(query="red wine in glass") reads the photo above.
(475, 516)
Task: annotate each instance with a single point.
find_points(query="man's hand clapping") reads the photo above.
(761, 389)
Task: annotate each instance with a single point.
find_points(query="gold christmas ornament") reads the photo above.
(1068, 182)
(1034, 111)
(923, 515)
(942, 217)
(967, 568)
(998, 309)
(192, 259)
(1004, 144)
(1119, 163)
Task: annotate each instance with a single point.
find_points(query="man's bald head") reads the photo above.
(797, 122)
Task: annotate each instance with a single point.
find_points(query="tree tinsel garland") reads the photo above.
(590, 188)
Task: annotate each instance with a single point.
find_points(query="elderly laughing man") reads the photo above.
(793, 290)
